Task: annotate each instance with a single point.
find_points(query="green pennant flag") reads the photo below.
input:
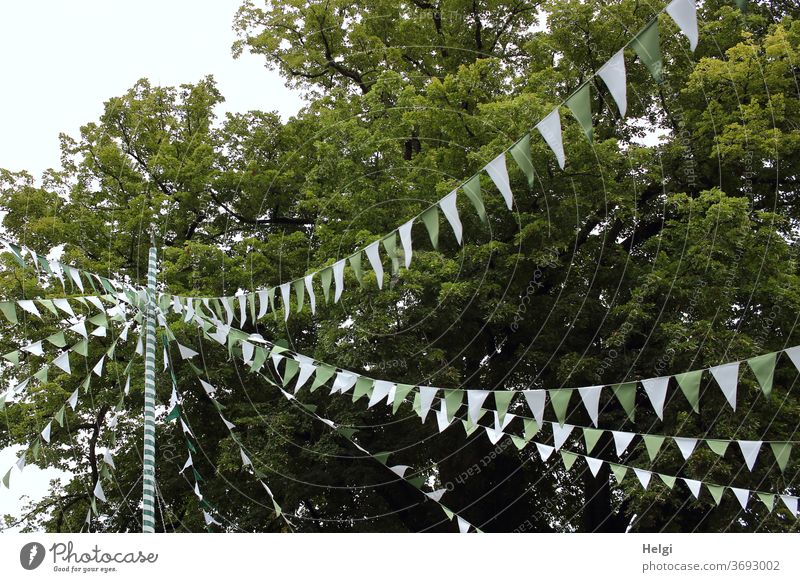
(191, 446)
(781, 452)
(81, 348)
(174, 414)
(568, 458)
(472, 188)
(48, 304)
(9, 309)
(452, 402)
(259, 358)
(16, 251)
(41, 375)
(502, 398)
(689, 383)
(12, 357)
(521, 152)
(469, 427)
(716, 492)
(326, 276)
(299, 293)
(647, 45)
(619, 472)
(559, 400)
(347, 432)
(277, 508)
(668, 480)
(290, 369)
(400, 393)
(719, 447)
(590, 437)
(2, 402)
(764, 370)
(251, 304)
(57, 339)
(431, 220)
(531, 428)
(362, 388)
(37, 448)
(519, 442)
(626, 394)
(355, 263)
(271, 300)
(447, 512)
(323, 374)
(767, 499)
(416, 406)
(59, 416)
(580, 103)
(417, 481)
(390, 244)
(653, 444)
(7, 479)
(382, 458)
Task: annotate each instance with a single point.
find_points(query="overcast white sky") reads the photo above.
(62, 59)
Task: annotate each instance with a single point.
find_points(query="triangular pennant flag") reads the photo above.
(686, 445)
(656, 389)
(463, 525)
(684, 13)
(559, 400)
(430, 218)
(590, 437)
(9, 311)
(521, 152)
(245, 459)
(57, 339)
(590, 395)
(475, 399)
(647, 45)
(544, 451)
(531, 427)
(289, 370)
(390, 244)
(299, 293)
(502, 399)
(499, 174)
(791, 503)
(716, 492)
(727, 376)
(426, 395)
(472, 188)
(73, 400)
(653, 444)
(550, 128)
(764, 370)
(613, 75)
(493, 434)
(30, 307)
(452, 400)
(400, 393)
(767, 499)
(46, 432)
(689, 383)
(405, 240)
(362, 388)
(668, 480)
(561, 434)
(782, 451)
(98, 367)
(34, 348)
(719, 447)
(312, 299)
(399, 470)
(626, 395)
(326, 276)
(742, 495)
(622, 440)
(338, 279)
(62, 362)
(64, 306)
(380, 391)
(580, 103)
(436, 495)
(569, 459)
(794, 355)
(536, 400)
(375, 261)
(186, 353)
(98, 491)
(694, 487)
(619, 472)
(307, 369)
(643, 476)
(750, 450)
(594, 465)
(344, 381)
(450, 211)
(285, 294)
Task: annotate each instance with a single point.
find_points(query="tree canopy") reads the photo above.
(667, 244)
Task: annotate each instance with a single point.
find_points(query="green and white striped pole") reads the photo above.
(149, 456)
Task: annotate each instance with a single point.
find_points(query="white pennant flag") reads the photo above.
(73, 273)
(613, 75)
(263, 303)
(80, 328)
(463, 524)
(30, 307)
(426, 396)
(450, 211)
(441, 417)
(285, 289)
(245, 459)
(338, 279)
(46, 432)
(98, 367)
(21, 462)
(545, 451)
(727, 376)
(694, 487)
(98, 491)
(197, 491)
(375, 260)
(227, 303)
(62, 362)
(684, 13)
(307, 368)
(380, 390)
(108, 459)
(791, 503)
(209, 519)
(493, 434)
(622, 440)
(186, 353)
(475, 399)
(228, 423)
(499, 174)
(644, 476)
(399, 470)
(561, 434)
(177, 307)
(189, 462)
(550, 128)
(594, 465)
(536, 400)
(127, 388)
(743, 495)
(656, 389)
(312, 299)
(794, 355)
(248, 350)
(189, 315)
(686, 445)
(344, 381)
(35, 349)
(73, 400)
(405, 240)
(186, 428)
(750, 450)
(207, 387)
(590, 395)
(96, 302)
(242, 309)
(64, 306)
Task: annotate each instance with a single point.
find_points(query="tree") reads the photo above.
(645, 257)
